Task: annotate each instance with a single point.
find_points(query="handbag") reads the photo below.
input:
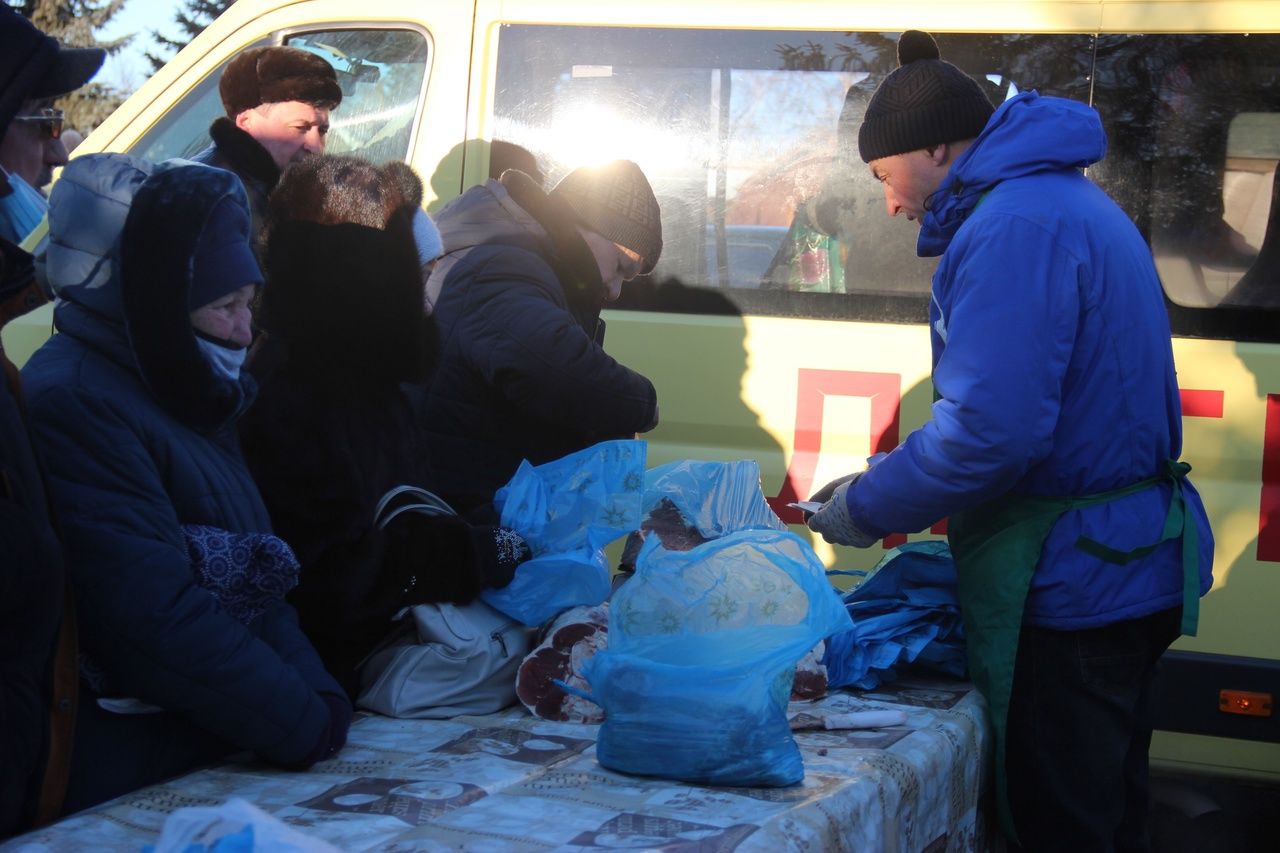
(445, 659)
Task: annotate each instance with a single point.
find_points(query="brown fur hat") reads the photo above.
(330, 189)
(268, 75)
(342, 266)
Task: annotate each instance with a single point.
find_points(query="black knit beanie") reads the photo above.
(925, 101)
(616, 202)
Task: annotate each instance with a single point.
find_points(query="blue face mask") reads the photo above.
(21, 210)
(226, 362)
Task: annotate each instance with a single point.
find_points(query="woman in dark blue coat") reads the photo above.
(134, 404)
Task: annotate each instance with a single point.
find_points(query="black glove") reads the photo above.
(501, 550)
(334, 736)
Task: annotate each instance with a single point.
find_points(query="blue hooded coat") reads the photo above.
(139, 434)
(1053, 366)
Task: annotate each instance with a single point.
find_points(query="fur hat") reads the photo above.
(616, 202)
(343, 266)
(34, 65)
(925, 101)
(268, 75)
(330, 190)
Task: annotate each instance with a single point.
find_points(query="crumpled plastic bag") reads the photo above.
(236, 826)
(905, 613)
(715, 497)
(703, 643)
(567, 510)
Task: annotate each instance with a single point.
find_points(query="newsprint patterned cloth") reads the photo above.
(510, 782)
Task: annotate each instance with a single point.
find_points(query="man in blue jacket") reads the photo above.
(1081, 546)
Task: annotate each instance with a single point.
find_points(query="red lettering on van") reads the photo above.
(1269, 503)
(1201, 404)
(814, 386)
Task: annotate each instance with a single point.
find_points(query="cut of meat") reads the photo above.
(568, 642)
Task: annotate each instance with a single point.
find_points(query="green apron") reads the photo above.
(996, 547)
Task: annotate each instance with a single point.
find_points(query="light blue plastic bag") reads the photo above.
(567, 511)
(703, 646)
(715, 497)
(905, 614)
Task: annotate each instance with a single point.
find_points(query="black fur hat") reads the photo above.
(925, 101)
(344, 286)
(268, 75)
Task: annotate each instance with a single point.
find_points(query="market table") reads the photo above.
(511, 782)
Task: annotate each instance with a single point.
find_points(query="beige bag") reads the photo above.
(447, 659)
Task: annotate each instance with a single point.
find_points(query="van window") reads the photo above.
(382, 75)
(183, 131)
(1194, 124)
(749, 139)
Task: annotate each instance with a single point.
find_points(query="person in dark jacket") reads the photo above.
(277, 101)
(31, 575)
(134, 404)
(331, 431)
(516, 298)
(37, 639)
(1081, 546)
(34, 69)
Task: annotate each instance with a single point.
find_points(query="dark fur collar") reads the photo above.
(244, 152)
(573, 263)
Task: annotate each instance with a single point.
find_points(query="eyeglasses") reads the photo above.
(50, 118)
(629, 263)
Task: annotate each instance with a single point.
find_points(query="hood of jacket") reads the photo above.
(1028, 134)
(515, 212)
(122, 234)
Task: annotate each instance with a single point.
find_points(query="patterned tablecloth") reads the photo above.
(510, 782)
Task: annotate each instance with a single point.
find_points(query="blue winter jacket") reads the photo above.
(1053, 365)
(139, 436)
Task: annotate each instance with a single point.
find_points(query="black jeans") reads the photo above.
(1080, 720)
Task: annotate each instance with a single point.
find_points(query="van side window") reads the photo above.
(749, 139)
(183, 130)
(1195, 146)
(382, 74)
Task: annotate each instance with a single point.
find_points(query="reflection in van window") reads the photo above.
(1195, 144)
(749, 140)
(382, 74)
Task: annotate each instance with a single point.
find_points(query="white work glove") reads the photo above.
(833, 521)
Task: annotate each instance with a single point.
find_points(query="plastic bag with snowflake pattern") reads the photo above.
(703, 646)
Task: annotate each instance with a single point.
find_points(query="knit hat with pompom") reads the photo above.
(924, 102)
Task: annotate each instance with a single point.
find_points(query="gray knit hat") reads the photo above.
(925, 101)
(616, 202)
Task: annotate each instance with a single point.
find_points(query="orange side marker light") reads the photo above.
(1245, 702)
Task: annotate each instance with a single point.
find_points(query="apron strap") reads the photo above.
(1176, 523)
